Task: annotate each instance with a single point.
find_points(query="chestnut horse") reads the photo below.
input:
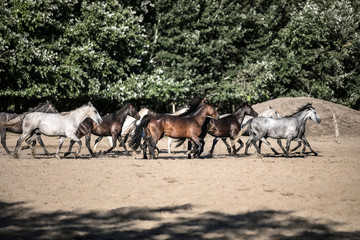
(111, 126)
(188, 126)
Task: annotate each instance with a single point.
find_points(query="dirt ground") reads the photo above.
(116, 196)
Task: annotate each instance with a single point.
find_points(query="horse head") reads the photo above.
(313, 115)
(211, 111)
(94, 114)
(132, 112)
(50, 107)
(248, 110)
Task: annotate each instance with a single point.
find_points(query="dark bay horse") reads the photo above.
(229, 126)
(17, 120)
(111, 126)
(157, 125)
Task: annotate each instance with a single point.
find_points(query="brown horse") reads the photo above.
(227, 126)
(111, 126)
(189, 126)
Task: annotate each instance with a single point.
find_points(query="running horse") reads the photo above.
(157, 125)
(228, 125)
(15, 126)
(111, 126)
(291, 128)
(55, 124)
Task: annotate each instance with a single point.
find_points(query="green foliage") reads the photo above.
(161, 52)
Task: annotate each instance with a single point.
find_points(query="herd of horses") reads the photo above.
(145, 128)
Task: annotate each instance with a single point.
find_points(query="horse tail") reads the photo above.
(244, 129)
(13, 121)
(136, 138)
(179, 142)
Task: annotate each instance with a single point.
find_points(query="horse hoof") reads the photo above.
(66, 154)
(57, 156)
(15, 155)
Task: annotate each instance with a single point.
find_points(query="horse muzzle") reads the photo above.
(99, 121)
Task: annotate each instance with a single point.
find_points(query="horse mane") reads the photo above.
(33, 109)
(200, 107)
(194, 105)
(67, 113)
(300, 109)
(120, 110)
(243, 104)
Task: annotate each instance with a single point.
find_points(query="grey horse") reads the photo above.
(17, 120)
(291, 128)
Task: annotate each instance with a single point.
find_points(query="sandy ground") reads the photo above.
(223, 197)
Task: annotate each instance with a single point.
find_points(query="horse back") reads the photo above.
(274, 127)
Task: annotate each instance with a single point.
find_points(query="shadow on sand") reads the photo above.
(20, 222)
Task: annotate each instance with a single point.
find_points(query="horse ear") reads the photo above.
(89, 104)
(270, 107)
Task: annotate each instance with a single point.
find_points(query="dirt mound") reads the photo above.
(348, 119)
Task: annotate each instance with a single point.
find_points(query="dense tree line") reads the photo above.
(164, 52)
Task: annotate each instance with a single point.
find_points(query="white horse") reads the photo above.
(55, 124)
(128, 128)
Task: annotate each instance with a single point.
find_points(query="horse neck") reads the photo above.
(200, 115)
(302, 117)
(268, 113)
(120, 113)
(80, 115)
(240, 115)
(142, 113)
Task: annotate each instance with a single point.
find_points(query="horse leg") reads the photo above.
(76, 139)
(113, 144)
(61, 141)
(281, 146)
(144, 148)
(267, 143)
(39, 139)
(169, 144)
(299, 145)
(97, 142)
(189, 150)
(248, 143)
(124, 140)
(197, 146)
(23, 136)
(3, 139)
(241, 145)
(308, 145)
(213, 146)
(288, 141)
(228, 146)
(122, 143)
(151, 144)
(29, 142)
(70, 148)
